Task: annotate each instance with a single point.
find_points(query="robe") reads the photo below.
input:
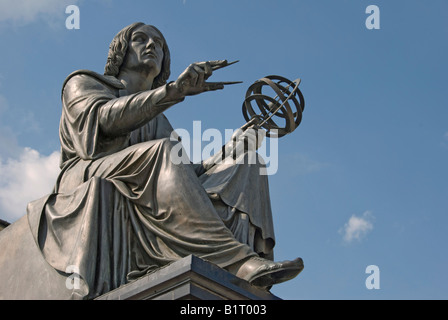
(121, 207)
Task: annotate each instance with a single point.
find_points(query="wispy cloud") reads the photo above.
(24, 121)
(8, 141)
(9, 147)
(357, 227)
(3, 102)
(26, 11)
(300, 164)
(27, 178)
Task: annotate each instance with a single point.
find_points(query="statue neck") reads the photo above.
(134, 82)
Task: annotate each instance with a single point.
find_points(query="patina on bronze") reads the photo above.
(120, 207)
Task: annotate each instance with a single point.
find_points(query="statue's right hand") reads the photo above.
(193, 80)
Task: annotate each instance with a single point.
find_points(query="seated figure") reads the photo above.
(121, 207)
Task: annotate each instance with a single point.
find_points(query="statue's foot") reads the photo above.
(265, 273)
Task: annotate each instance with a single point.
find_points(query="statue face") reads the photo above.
(145, 51)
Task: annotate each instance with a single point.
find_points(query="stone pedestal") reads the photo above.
(190, 278)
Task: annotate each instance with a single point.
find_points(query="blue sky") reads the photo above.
(363, 180)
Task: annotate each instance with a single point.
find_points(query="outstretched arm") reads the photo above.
(125, 114)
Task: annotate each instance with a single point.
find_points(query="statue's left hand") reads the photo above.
(252, 135)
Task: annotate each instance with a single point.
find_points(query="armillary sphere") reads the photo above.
(275, 104)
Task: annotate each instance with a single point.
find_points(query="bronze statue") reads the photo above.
(120, 207)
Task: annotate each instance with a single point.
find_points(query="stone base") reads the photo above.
(25, 275)
(190, 278)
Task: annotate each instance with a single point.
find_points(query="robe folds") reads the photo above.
(121, 208)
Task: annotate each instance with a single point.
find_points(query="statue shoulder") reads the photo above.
(87, 78)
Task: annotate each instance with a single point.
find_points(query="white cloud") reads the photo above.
(357, 227)
(27, 178)
(26, 11)
(25, 175)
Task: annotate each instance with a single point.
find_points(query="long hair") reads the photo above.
(119, 47)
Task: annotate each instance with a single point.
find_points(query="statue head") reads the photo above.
(118, 50)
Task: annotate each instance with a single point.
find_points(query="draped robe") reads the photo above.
(121, 208)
